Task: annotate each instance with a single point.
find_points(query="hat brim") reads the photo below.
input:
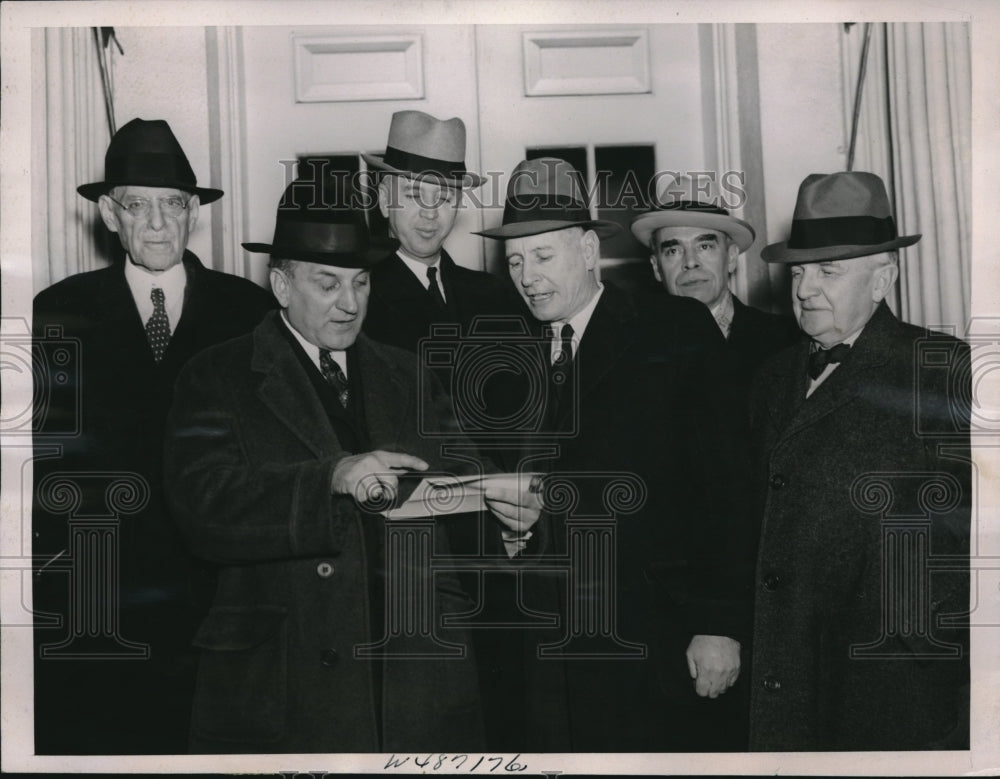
(603, 228)
(95, 190)
(646, 224)
(780, 253)
(464, 180)
(363, 259)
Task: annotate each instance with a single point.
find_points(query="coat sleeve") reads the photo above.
(234, 510)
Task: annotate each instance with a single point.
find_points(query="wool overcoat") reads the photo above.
(862, 576)
(249, 460)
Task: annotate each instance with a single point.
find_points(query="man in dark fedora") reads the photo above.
(114, 671)
(694, 245)
(277, 444)
(623, 405)
(422, 175)
(861, 457)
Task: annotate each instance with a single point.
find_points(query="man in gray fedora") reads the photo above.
(114, 672)
(422, 175)
(694, 245)
(623, 400)
(863, 476)
(277, 445)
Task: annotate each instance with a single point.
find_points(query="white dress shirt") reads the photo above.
(171, 281)
(420, 271)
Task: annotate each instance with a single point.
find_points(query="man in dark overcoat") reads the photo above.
(861, 449)
(116, 593)
(278, 445)
(422, 175)
(632, 557)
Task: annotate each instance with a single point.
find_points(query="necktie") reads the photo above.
(819, 359)
(563, 358)
(433, 289)
(335, 376)
(158, 325)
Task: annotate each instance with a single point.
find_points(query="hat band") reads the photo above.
(691, 205)
(539, 208)
(145, 166)
(841, 231)
(415, 163)
(321, 237)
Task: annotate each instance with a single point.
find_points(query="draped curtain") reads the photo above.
(930, 86)
(69, 140)
(915, 132)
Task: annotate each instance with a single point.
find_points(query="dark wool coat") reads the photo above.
(249, 459)
(103, 411)
(400, 311)
(842, 658)
(642, 410)
(755, 335)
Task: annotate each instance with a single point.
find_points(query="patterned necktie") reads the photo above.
(433, 289)
(335, 376)
(158, 326)
(819, 359)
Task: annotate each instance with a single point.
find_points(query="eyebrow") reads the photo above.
(703, 238)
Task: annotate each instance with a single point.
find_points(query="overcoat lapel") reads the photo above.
(387, 399)
(607, 337)
(286, 390)
(115, 304)
(401, 291)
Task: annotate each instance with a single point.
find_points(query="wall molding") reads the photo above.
(331, 68)
(594, 62)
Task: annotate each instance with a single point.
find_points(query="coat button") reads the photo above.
(324, 570)
(771, 581)
(329, 657)
(771, 684)
(778, 481)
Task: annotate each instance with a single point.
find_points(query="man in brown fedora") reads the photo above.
(421, 178)
(277, 444)
(861, 457)
(623, 404)
(694, 245)
(114, 672)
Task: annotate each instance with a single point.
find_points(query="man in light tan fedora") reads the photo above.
(623, 400)
(863, 489)
(422, 177)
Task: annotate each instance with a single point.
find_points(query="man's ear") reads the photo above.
(193, 206)
(656, 268)
(734, 254)
(884, 279)
(108, 214)
(279, 286)
(591, 248)
(383, 195)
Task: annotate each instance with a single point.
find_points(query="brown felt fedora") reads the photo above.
(839, 216)
(309, 230)
(146, 154)
(543, 195)
(686, 202)
(422, 146)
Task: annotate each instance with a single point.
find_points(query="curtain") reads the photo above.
(928, 68)
(70, 137)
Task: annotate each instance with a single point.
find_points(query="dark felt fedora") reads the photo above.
(839, 216)
(543, 195)
(421, 146)
(686, 202)
(146, 154)
(308, 229)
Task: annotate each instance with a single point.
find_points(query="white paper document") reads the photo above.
(440, 495)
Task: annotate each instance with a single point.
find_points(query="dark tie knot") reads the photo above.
(433, 288)
(819, 359)
(565, 354)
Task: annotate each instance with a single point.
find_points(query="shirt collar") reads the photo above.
(313, 351)
(171, 281)
(580, 319)
(419, 268)
(723, 312)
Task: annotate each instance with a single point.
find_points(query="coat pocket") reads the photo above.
(241, 692)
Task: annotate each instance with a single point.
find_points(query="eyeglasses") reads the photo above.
(137, 208)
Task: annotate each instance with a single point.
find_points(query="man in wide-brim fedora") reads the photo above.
(276, 446)
(624, 396)
(862, 476)
(134, 324)
(421, 176)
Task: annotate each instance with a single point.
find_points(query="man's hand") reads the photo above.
(517, 508)
(714, 664)
(371, 477)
